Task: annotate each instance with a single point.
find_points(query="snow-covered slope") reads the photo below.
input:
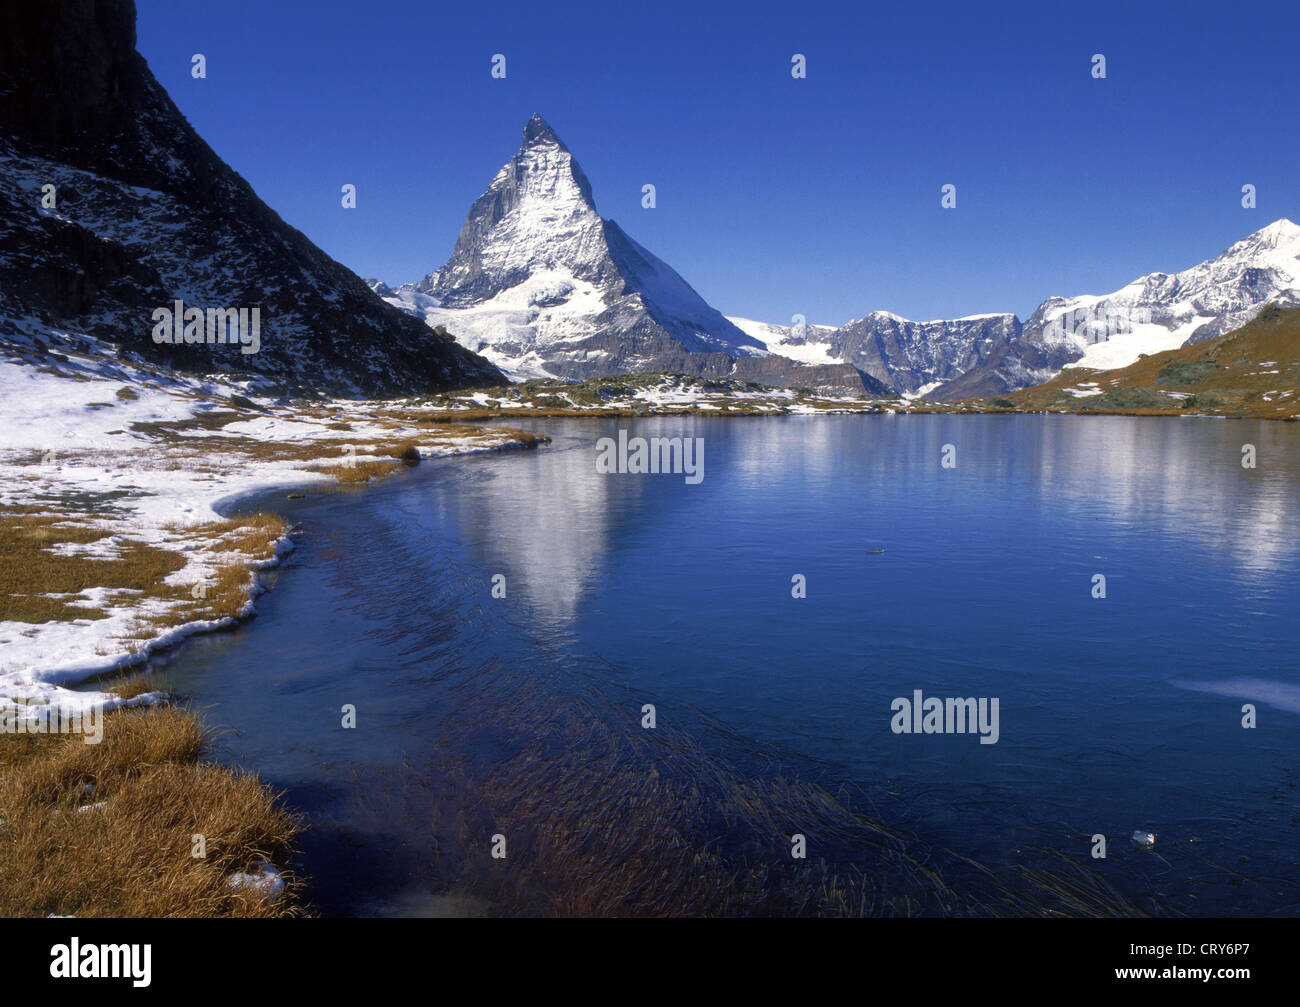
(146, 458)
(543, 286)
(1157, 312)
(805, 343)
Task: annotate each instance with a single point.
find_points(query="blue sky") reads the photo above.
(776, 196)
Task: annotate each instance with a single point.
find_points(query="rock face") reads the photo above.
(544, 286)
(915, 357)
(144, 213)
(901, 356)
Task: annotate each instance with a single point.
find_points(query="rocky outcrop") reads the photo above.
(914, 357)
(145, 213)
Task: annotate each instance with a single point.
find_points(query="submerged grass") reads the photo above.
(603, 818)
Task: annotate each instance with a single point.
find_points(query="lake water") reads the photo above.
(522, 716)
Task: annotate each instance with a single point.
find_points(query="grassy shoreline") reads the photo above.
(112, 548)
(1127, 392)
(140, 825)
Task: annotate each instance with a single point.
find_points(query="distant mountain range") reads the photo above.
(139, 213)
(542, 285)
(909, 358)
(1154, 313)
(987, 355)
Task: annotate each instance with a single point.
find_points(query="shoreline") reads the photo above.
(254, 493)
(75, 671)
(639, 395)
(117, 544)
(114, 535)
(423, 427)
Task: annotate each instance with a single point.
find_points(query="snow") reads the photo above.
(815, 349)
(923, 391)
(967, 318)
(1162, 311)
(64, 431)
(515, 326)
(887, 314)
(264, 882)
(1125, 348)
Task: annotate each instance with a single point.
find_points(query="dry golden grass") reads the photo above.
(407, 452)
(359, 471)
(254, 535)
(133, 856)
(447, 417)
(443, 417)
(528, 440)
(29, 570)
(173, 430)
(224, 593)
(136, 685)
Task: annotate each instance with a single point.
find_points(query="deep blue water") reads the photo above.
(1116, 714)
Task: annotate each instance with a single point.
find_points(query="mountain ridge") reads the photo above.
(992, 354)
(145, 213)
(542, 284)
(1252, 370)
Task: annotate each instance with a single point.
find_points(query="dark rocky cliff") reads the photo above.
(146, 213)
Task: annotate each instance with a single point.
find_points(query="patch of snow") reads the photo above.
(1125, 348)
(264, 882)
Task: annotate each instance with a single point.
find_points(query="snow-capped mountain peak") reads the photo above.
(538, 214)
(1276, 246)
(537, 129)
(543, 286)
